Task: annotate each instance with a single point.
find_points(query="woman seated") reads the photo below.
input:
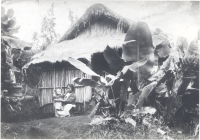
(68, 101)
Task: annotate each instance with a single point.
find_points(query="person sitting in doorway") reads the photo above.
(68, 101)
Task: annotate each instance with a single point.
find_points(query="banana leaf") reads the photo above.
(93, 112)
(112, 102)
(103, 81)
(109, 80)
(102, 92)
(161, 76)
(158, 37)
(190, 66)
(2, 12)
(157, 76)
(13, 68)
(113, 59)
(172, 104)
(166, 64)
(17, 43)
(10, 13)
(193, 48)
(4, 19)
(134, 66)
(97, 121)
(112, 82)
(196, 130)
(176, 55)
(11, 23)
(181, 46)
(145, 92)
(110, 77)
(113, 78)
(85, 82)
(139, 49)
(13, 30)
(190, 62)
(162, 88)
(81, 66)
(143, 110)
(163, 50)
(98, 93)
(132, 98)
(7, 24)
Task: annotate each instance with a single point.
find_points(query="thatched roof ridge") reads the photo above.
(91, 38)
(94, 11)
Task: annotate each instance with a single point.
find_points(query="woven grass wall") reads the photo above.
(60, 75)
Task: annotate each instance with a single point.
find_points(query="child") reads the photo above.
(58, 95)
(68, 100)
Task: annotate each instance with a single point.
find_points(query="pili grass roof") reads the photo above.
(94, 11)
(81, 47)
(83, 39)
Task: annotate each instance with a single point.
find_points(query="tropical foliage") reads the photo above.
(170, 90)
(12, 47)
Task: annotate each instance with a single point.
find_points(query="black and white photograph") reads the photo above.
(99, 69)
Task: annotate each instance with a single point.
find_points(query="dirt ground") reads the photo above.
(75, 127)
(50, 128)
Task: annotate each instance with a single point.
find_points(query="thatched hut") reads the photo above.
(85, 40)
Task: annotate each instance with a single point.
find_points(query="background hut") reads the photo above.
(85, 40)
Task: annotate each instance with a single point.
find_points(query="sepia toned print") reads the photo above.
(99, 69)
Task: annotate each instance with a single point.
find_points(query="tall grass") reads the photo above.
(127, 131)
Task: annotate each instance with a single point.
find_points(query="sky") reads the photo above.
(180, 18)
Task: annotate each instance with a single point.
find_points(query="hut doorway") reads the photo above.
(100, 65)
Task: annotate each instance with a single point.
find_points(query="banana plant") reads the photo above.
(8, 28)
(103, 84)
(184, 68)
(9, 60)
(100, 91)
(193, 48)
(139, 49)
(9, 42)
(124, 70)
(181, 46)
(8, 22)
(137, 46)
(189, 70)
